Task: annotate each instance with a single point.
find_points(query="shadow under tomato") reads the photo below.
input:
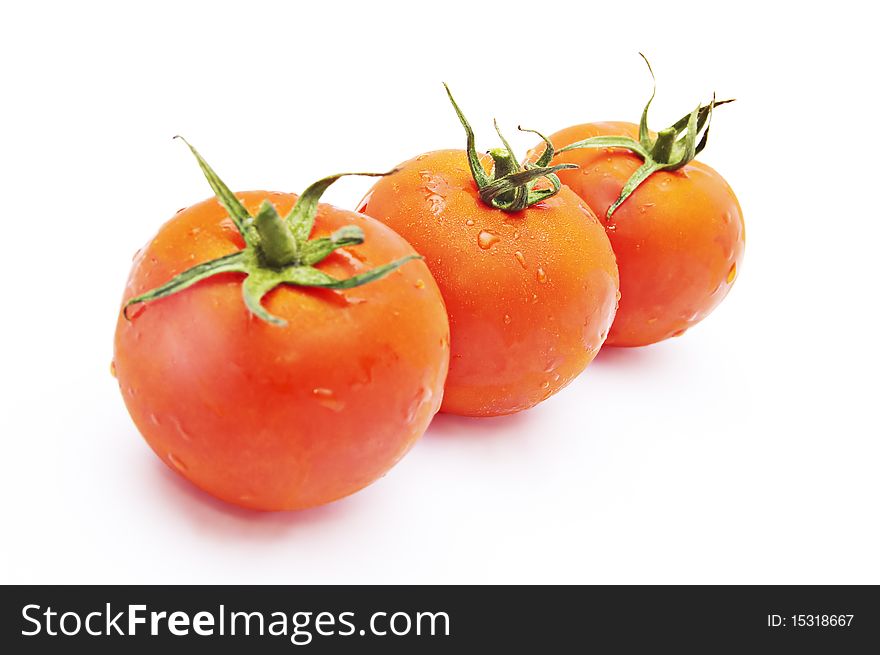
(445, 426)
(626, 357)
(213, 515)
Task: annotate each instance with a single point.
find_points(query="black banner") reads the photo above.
(415, 619)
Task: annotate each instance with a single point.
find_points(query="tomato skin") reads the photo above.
(679, 238)
(279, 418)
(530, 307)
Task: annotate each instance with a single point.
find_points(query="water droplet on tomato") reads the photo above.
(195, 231)
(520, 258)
(154, 419)
(176, 462)
(419, 400)
(421, 157)
(541, 275)
(113, 368)
(545, 384)
(507, 319)
(487, 239)
(731, 274)
(186, 436)
(611, 227)
(515, 235)
(328, 399)
(678, 333)
(420, 284)
(534, 298)
(469, 222)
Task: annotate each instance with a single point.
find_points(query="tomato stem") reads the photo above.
(663, 145)
(277, 250)
(672, 148)
(278, 247)
(509, 187)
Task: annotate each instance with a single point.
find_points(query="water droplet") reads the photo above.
(534, 298)
(541, 275)
(113, 368)
(469, 222)
(545, 384)
(154, 419)
(487, 239)
(423, 396)
(438, 204)
(507, 319)
(652, 320)
(421, 157)
(436, 188)
(175, 461)
(520, 258)
(356, 262)
(731, 274)
(327, 398)
(552, 365)
(678, 333)
(186, 436)
(611, 227)
(515, 235)
(420, 284)
(195, 231)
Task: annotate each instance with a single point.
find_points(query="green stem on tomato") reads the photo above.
(508, 187)
(277, 250)
(671, 149)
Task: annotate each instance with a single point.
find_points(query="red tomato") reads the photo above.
(679, 237)
(530, 293)
(281, 417)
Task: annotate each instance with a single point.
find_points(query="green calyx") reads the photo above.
(510, 186)
(277, 250)
(671, 149)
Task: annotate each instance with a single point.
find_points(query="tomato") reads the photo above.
(278, 416)
(679, 236)
(530, 292)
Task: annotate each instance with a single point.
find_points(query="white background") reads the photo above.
(745, 451)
